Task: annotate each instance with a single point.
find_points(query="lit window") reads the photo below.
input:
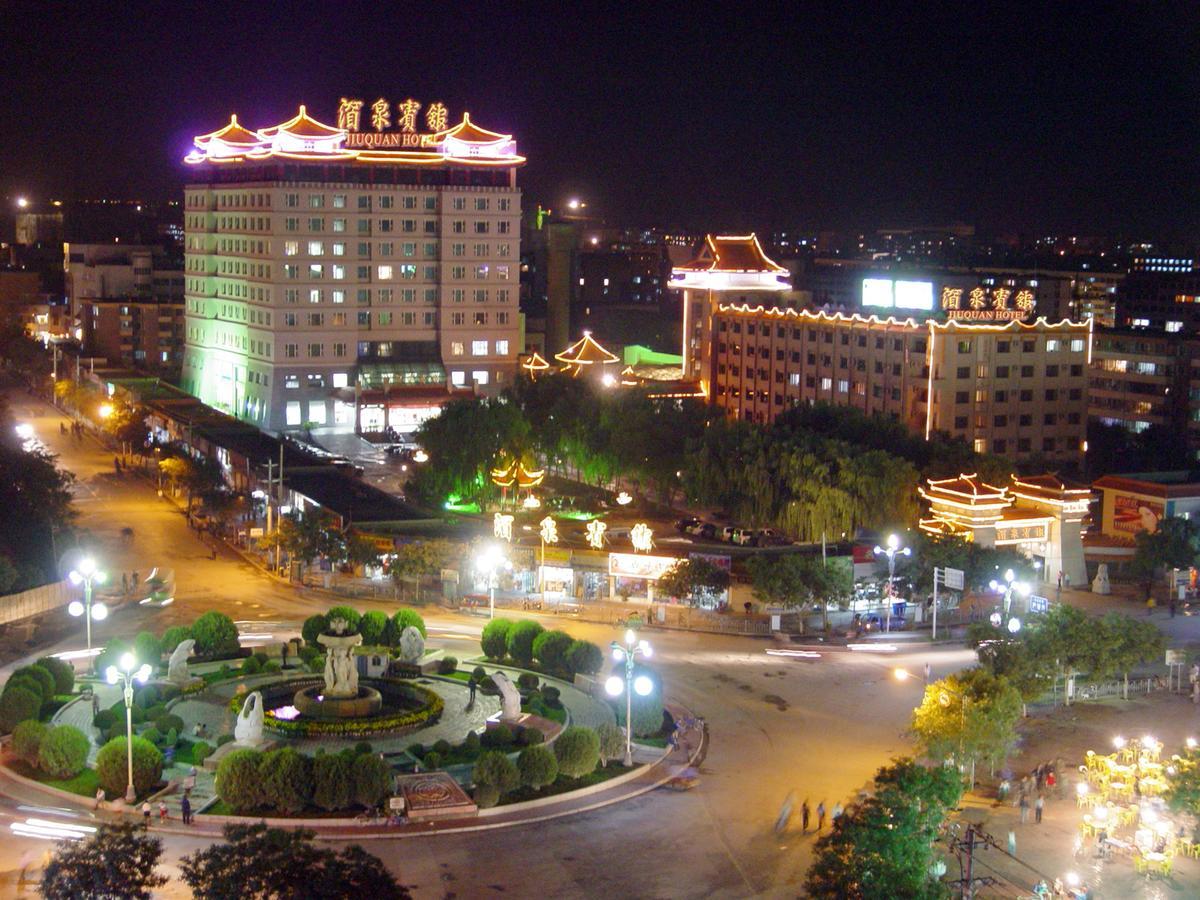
(291, 248)
(316, 248)
(1052, 345)
(385, 272)
(479, 348)
(458, 379)
(479, 377)
(316, 270)
(339, 249)
(1174, 327)
(316, 412)
(340, 379)
(293, 412)
(1077, 345)
(502, 348)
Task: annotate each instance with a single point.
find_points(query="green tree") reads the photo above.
(112, 771)
(971, 715)
(116, 861)
(417, 560)
(36, 498)
(1174, 545)
(215, 635)
(494, 639)
(27, 740)
(1183, 784)
(62, 672)
(538, 766)
(308, 536)
(260, 863)
(63, 752)
(372, 779)
(550, 648)
(371, 627)
(333, 781)
(494, 769)
(798, 580)
(240, 781)
(285, 779)
(583, 658)
(578, 751)
(698, 580)
(174, 636)
(147, 648)
(1128, 643)
(520, 641)
(463, 442)
(1020, 659)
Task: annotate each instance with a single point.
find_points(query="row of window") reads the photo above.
(843, 386)
(1053, 345)
(1025, 420)
(390, 272)
(1026, 396)
(1052, 371)
(198, 200)
(825, 335)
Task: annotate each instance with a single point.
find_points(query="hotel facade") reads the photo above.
(1010, 387)
(352, 276)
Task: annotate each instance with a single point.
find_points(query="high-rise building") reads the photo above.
(351, 276)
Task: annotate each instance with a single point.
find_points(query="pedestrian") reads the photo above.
(99, 797)
(1012, 842)
(1150, 605)
(472, 685)
(1037, 809)
(185, 807)
(134, 581)
(283, 656)
(1024, 805)
(124, 583)
(820, 815)
(162, 811)
(1051, 781)
(146, 813)
(804, 814)
(928, 673)
(95, 705)
(1040, 778)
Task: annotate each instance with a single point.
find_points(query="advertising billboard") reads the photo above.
(1133, 514)
(887, 293)
(877, 292)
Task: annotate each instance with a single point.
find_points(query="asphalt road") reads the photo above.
(818, 727)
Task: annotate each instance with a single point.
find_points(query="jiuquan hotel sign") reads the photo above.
(384, 124)
(999, 304)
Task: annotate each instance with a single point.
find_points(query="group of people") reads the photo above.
(130, 582)
(185, 808)
(76, 430)
(1041, 781)
(806, 813)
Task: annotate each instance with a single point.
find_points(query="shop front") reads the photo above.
(632, 575)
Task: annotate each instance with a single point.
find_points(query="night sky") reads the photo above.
(1021, 118)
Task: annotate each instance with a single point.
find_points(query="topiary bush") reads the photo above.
(333, 781)
(27, 740)
(405, 617)
(531, 736)
(17, 704)
(215, 635)
(500, 736)
(62, 672)
(432, 760)
(147, 649)
(224, 739)
(527, 681)
(494, 639)
(647, 710)
(520, 641)
(111, 767)
(612, 741)
(251, 666)
(486, 796)
(578, 751)
(156, 712)
(372, 779)
(104, 719)
(240, 780)
(286, 779)
(442, 747)
(64, 752)
(40, 676)
(173, 637)
(584, 658)
(551, 694)
(351, 615)
(471, 741)
(146, 697)
(363, 747)
(202, 751)
(371, 626)
(169, 722)
(479, 673)
(313, 626)
(496, 769)
(272, 667)
(550, 649)
(447, 665)
(153, 735)
(538, 766)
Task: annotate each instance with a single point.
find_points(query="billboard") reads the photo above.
(887, 293)
(1132, 514)
(633, 565)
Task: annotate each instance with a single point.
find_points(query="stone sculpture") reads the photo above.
(412, 645)
(177, 671)
(341, 674)
(510, 698)
(1100, 583)
(249, 728)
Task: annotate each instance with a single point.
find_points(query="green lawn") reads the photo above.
(84, 784)
(563, 784)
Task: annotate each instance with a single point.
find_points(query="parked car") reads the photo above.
(703, 530)
(686, 524)
(876, 622)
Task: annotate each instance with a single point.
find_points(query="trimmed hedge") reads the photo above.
(494, 639)
(578, 751)
(520, 640)
(313, 626)
(351, 615)
(147, 648)
(174, 636)
(371, 626)
(62, 671)
(538, 766)
(333, 785)
(584, 658)
(551, 647)
(287, 780)
(612, 741)
(41, 676)
(495, 769)
(64, 752)
(405, 617)
(372, 779)
(240, 782)
(111, 766)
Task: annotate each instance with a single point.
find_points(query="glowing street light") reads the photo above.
(22, 203)
(490, 562)
(641, 684)
(892, 550)
(24, 431)
(87, 574)
(128, 674)
(1007, 587)
(105, 410)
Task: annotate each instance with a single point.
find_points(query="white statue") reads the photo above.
(510, 698)
(1100, 583)
(412, 645)
(249, 728)
(341, 674)
(177, 671)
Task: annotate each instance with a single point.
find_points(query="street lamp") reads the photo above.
(87, 573)
(490, 562)
(1007, 587)
(642, 684)
(892, 550)
(126, 673)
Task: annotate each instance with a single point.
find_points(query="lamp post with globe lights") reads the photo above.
(628, 653)
(891, 551)
(489, 563)
(125, 671)
(86, 574)
(1007, 587)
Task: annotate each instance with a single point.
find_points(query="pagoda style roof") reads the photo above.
(1048, 487)
(586, 352)
(513, 472)
(535, 363)
(302, 125)
(233, 134)
(470, 133)
(732, 253)
(970, 489)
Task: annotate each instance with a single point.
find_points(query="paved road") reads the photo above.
(818, 727)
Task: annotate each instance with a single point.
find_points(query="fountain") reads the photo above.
(342, 697)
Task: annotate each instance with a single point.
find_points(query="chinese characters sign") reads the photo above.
(1009, 534)
(385, 123)
(998, 304)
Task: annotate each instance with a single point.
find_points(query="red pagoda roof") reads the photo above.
(732, 253)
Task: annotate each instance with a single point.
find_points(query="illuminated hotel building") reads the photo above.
(353, 276)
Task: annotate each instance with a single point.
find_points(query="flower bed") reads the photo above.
(429, 710)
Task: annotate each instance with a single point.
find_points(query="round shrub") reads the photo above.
(405, 617)
(202, 751)
(500, 736)
(313, 626)
(442, 747)
(104, 719)
(432, 760)
(112, 773)
(18, 704)
(147, 648)
(520, 641)
(496, 769)
(471, 741)
(62, 671)
(447, 665)
(538, 766)
(584, 658)
(578, 751)
(550, 649)
(371, 626)
(169, 722)
(215, 634)
(41, 676)
(351, 615)
(612, 741)
(240, 780)
(272, 667)
(286, 777)
(251, 666)
(531, 737)
(64, 752)
(26, 682)
(363, 747)
(156, 712)
(153, 735)
(333, 784)
(479, 673)
(486, 796)
(146, 697)
(372, 778)
(494, 639)
(527, 681)
(27, 740)
(138, 715)
(550, 694)
(170, 739)
(173, 637)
